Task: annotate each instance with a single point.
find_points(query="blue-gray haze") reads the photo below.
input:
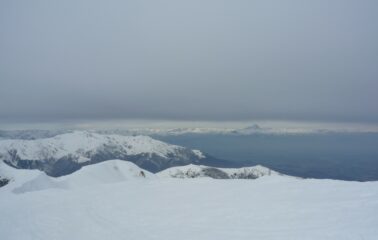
(345, 156)
(192, 60)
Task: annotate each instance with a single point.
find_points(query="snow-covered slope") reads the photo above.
(112, 171)
(106, 172)
(268, 208)
(66, 153)
(198, 171)
(16, 177)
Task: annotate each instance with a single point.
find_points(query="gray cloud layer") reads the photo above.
(198, 59)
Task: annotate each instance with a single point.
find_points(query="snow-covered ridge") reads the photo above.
(66, 153)
(120, 204)
(22, 181)
(112, 171)
(81, 143)
(16, 177)
(198, 171)
(106, 172)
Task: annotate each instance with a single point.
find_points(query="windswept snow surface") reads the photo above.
(120, 204)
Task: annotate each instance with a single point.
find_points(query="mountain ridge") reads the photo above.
(66, 153)
(116, 170)
(200, 171)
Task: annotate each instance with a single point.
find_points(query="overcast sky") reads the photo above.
(189, 60)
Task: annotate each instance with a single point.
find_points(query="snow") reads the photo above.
(198, 153)
(111, 171)
(104, 173)
(17, 177)
(257, 170)
(111, 201)
(41, 182)
(198, 170)
(179, 172)
(79, 143)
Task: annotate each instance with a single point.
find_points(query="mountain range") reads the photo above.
(68, 152)
(148, 131)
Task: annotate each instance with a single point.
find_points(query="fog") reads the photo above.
(188, 60)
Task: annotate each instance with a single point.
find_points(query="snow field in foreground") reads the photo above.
(274, 207)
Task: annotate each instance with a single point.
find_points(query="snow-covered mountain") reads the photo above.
(112, 171)
(66, 153)
(112, 200)
(198, 171)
